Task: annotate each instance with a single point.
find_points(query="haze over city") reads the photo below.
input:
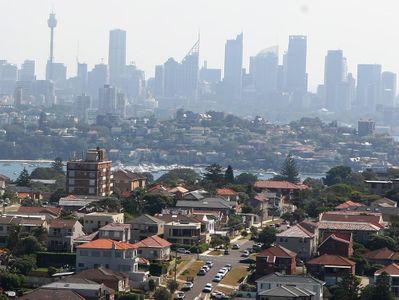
(157, 30)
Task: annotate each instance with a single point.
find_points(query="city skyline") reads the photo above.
(147, 49)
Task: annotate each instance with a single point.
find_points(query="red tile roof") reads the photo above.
(334, 260)
(348, 204)
(56, 211)
(296, 231)
(107, 244)
(153, 242)
(274, 184)
(276, 251)
(383, 253)
(226, 192)
(390, 270)
(335, 238)
(353, 217)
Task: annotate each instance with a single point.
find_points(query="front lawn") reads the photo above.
(235, 276)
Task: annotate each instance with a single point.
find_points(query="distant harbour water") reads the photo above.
(12, 168)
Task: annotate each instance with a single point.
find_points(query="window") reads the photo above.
(281, 240)
(95, 253)
(118, 253)
(84, 253)
(71, 181)
(81, 265)
(106, 253)
(71, 189)
(71, 173)
(1, 228)
(92, 182)
(139, 251)
(91, 191)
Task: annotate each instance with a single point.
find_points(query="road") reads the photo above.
(219, 262)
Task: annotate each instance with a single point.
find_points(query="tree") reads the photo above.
(29, 245)
(267, 236)
(214, 174)
(246, 178)
(175, 176)
(378, 242)
(57, 194)
(162, 294)
(24, 264)
(347, 289)
(229, 175)
(338, 174)
(154, 203)
(172, 285)
(289, 170)
(57, 165)
(10, 281)
(23, 178)
(382, 289)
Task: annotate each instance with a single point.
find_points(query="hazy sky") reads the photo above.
(367, 30)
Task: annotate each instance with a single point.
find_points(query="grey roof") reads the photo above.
(287, 291)
(145, 219)
(206, 203)
(290, 279)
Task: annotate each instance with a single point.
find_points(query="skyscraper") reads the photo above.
(388, 89)
(334, 81)
(97, 78)
(52, 23)
(296, 78)
(170, 78)
(233, 66)
(27, 71)
(107, 99)
(265, 71)
(188, 73)
(368, 86)
(158, 81)
(117, 55)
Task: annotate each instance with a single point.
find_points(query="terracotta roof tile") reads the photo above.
(383, 253)
(335, 260)
(276, 251)
(390, 270)
(107, 244)
(153, 242)
(56, 211)
(226, 192)
(296, 231)
(274, 184)
(348, 204)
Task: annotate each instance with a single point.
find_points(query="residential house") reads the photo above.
(145, 226)
(196, 195)
(85, 288)
(393, 272)
(51, 293)
(94, 221)
(303, 284)
(378, 187)
(48, 212)
(115, 280)
(110, 254)
(227, 194)
(348, 205)
(62, 234)
(361, 224)
(126, 181)
(383, 256)
(331, 268)
(278, 187)
(179, 192)
(384, 202)
(337, 244)
(287, 292)
(73, 203)
(275, 259)
(115, 231)
(299, 240)
(154, 248)
(259, 203)
(184, 229)
(24, 192)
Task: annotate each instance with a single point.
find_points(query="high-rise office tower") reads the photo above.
(132, 84)
(158, 81)
(296, 78)
(27, 71)
(170, 78)
(209, 75)
(335, 81)
(264, 71)
(8, 77)
(52, 23)
(91, 176)
(120, 107)
(188, 81)
(117, 55)
(82, 104)
(368, 86)
(96, 79)
(107, 99)
(388, 89)
(233, 66)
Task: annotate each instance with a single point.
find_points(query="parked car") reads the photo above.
(218, 295)
(206, 268)
(207, 288)
(201, 272)
(228, 266)
(247, 261)
(235, 246)
(250, 250)
(188, 285)
(218, 277)
(180, 296)
(245, 253)
(226, 252)
(209, 263)
(183, 251)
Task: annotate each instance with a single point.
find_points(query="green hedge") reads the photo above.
(53, 259)
(157, 269)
